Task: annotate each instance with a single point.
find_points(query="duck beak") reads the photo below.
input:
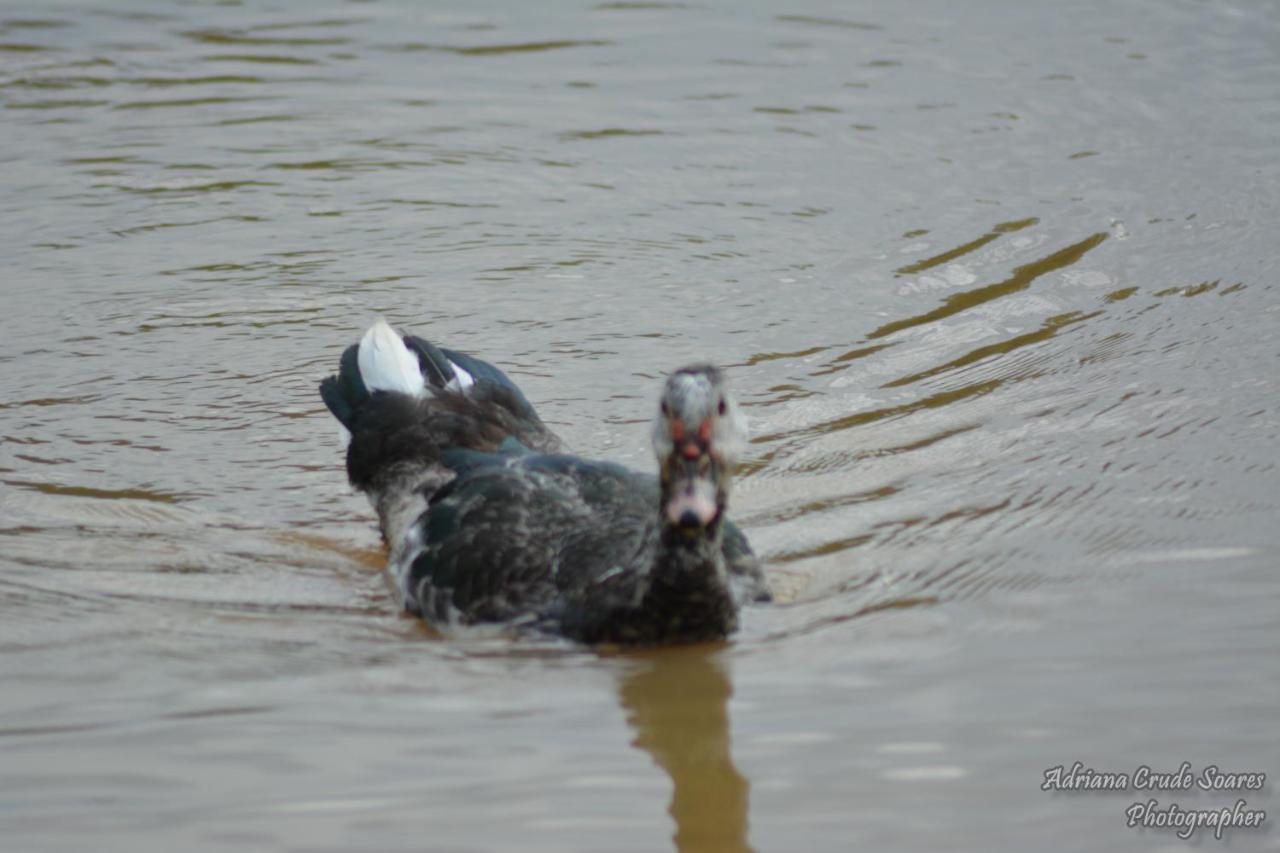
(692, 495)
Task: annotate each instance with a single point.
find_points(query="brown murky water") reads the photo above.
(998, 285)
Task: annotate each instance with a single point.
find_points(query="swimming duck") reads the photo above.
(487, 520)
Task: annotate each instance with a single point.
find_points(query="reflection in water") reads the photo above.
(1020, 280)
(677, 702)
(971, 246)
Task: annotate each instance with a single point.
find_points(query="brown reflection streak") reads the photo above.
(107, 494)
(901, 603)
(676, 701)
(781, 394)
(816, 21)
(1049, 329)
(789, 513)
(761, 357)
(970, 512)
(370, 558)
(840, 361)
(861, 352)
(499, 49)
(231, 37)
(50, 401)
(1020, 280)
(1191, 289)
(833, 547)
(971, 246)
(933, 401)
(895, 527)
(637, 6)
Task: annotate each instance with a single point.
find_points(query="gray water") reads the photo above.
(996, 283)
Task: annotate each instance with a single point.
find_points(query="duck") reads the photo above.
(487, 518)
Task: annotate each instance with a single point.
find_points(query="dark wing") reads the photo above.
(546, 540)
(524, 539)
(746, 574)
(345, 393)
(484, 372)
(494, 387)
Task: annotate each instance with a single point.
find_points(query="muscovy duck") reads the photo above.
(486, 520)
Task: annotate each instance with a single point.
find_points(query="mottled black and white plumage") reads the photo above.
(488, 522)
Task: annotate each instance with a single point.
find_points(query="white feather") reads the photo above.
(386, 364)
(461, 380)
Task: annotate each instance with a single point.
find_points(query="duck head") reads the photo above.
(697, 436)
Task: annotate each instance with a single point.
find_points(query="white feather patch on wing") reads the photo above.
(461, 380)
(386, 364)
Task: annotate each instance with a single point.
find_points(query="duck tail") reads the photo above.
(403, 400)
(393, 395)
(385, 361)
(383, 394)
(387, 364)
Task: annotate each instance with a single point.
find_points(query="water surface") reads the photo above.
(997, 286)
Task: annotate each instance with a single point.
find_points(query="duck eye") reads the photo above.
(722, 408)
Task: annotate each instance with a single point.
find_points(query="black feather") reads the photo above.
(435, 365)
(345, 393)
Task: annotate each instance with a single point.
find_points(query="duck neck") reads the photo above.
(689, 587)
(687, 548)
